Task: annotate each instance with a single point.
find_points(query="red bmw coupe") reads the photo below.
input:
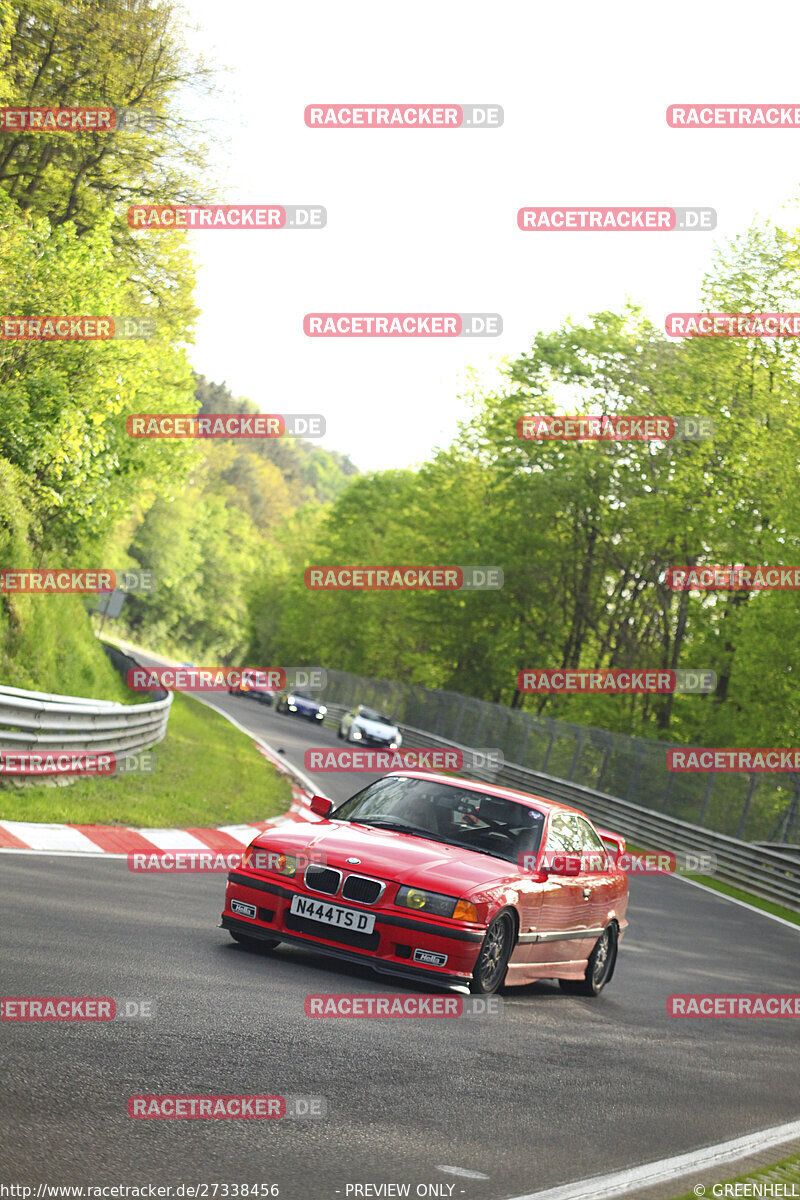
(452, 881)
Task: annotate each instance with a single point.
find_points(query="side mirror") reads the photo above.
(320, 805)
(565, 864)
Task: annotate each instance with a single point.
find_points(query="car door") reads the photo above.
(565, 928)
(598, 879)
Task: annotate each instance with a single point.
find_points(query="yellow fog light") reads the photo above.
(285, 864)
(464, 911)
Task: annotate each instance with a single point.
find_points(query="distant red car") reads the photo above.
(421, 875)
(250, 684)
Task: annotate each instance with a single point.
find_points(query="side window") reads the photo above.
(573, 835)
(595, 855)
(589, 839)
(562, 837)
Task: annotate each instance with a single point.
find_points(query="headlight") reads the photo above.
(398, 738)
(356, 732)
(284, 864)
(260, 859)
(427, 902)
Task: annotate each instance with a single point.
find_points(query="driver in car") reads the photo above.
(421, 810)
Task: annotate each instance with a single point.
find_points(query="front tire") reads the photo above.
(599, 968)
(490, 969)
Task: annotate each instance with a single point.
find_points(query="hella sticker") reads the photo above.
(430, 957)
(243, 910)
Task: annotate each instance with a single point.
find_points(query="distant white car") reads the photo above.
(362, 724)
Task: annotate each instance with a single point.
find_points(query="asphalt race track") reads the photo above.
(558, 1088)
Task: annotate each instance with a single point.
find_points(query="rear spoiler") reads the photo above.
(617, 843)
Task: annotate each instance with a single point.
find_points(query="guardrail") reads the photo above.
(755, 806)
(44, 721)
(771, 873)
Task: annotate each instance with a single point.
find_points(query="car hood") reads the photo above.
(401, 857)
(304, 702)
(375, 728)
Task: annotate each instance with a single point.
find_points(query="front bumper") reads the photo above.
(389, 949)
(373, 739)
(419, 974)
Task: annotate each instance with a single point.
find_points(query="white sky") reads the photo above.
(425, 220)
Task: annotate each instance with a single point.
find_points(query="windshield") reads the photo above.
(369, 714)
(447, 813)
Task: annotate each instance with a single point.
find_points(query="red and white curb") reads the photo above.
(117, 841)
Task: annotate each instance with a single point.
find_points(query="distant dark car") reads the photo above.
(302, 705)
(249, 686)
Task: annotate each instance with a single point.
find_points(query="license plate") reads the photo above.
(332, 914)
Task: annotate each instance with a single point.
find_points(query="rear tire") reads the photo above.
(490, 969)
(255, 944)
(599, 968)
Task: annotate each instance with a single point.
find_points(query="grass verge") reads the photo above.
(207, 773)
(777, 910)
(787, 1171)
